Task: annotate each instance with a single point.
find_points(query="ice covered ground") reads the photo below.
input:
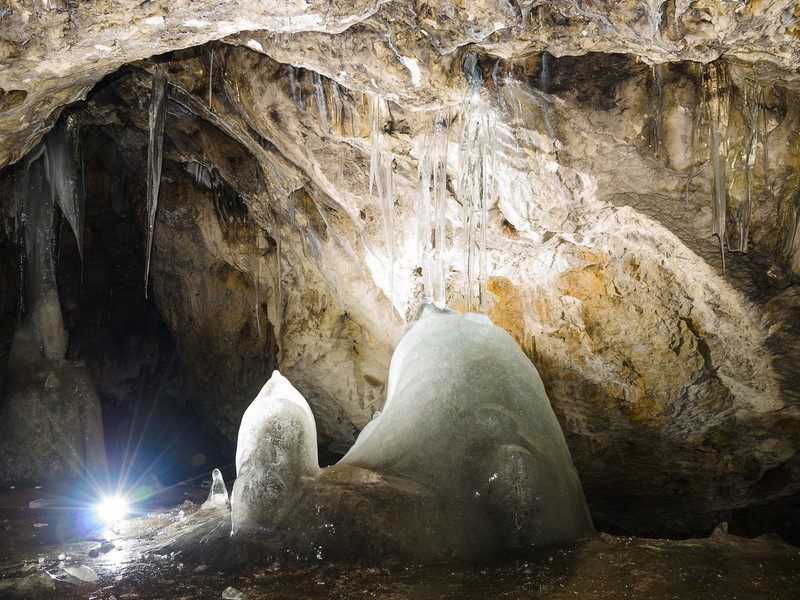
(33, 561)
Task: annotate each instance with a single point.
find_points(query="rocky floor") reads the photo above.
(48, 553)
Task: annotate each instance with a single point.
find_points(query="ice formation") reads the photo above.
(432, 207)
(466, 458)
(218, 494)
(155, 150)
(380, 176)
(275, 452)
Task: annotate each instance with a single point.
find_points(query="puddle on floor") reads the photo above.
(51, 551)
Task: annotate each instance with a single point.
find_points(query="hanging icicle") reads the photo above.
(155, 150)
(716, 90)
(657, 123)
(322, 105)
(431, 243)
(380, 178)
(62, 152)
(742, 153)
(476, 182)
(211, 78)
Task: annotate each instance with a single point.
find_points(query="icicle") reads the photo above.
(295, 93)
(210, 78)
(337, 107)
(322, 106)
(752, 108)
(40, 287)
(717, 94)
(380, 177)
(656, 141)
(62, 161)
(155, 149)
(432, 205)
(544, 73)
(278, 273)
(476, 190)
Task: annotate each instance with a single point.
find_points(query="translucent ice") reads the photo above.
(81, 572)
(62, 152)
(155, 151)
(218, 494)
(466, 459)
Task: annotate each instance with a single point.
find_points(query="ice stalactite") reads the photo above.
(259, 246)
(380, 178)
(716, 90)
(295, 92)
(431, 212)
(741, 163)
(337, 107)
(656, 131)
(36, 210)
(544, 73)
(211, 78)
(62, 159)
(322, 105)
(278, 270)
(155, 150)
(476, 182)
(523, 105)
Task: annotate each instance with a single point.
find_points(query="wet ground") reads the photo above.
(54, 550)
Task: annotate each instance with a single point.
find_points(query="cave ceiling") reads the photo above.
(668, 346)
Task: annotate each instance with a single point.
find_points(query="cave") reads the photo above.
(229, 189)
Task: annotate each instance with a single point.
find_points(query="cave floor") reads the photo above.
(41, 545)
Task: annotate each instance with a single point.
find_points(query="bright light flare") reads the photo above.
(111, 509)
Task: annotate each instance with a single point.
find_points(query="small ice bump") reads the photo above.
(218, 494)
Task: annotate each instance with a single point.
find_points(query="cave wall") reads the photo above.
(667, 352)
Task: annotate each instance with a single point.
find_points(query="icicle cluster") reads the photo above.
(476, 181)
(380, 177)
(431, 211)
(155, 151)
(323, 95)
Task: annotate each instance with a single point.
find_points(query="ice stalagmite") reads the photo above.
(276, 451)
(218, 494)
(467, 412)
(465, 460)
(155, 151)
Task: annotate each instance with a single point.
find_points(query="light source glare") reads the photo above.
(111, 509)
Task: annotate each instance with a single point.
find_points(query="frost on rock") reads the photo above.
(275, 451)
(466, 459)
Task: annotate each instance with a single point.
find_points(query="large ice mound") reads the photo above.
(466, 458)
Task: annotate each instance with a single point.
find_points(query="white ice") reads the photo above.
(275, 452)
(466, 457)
